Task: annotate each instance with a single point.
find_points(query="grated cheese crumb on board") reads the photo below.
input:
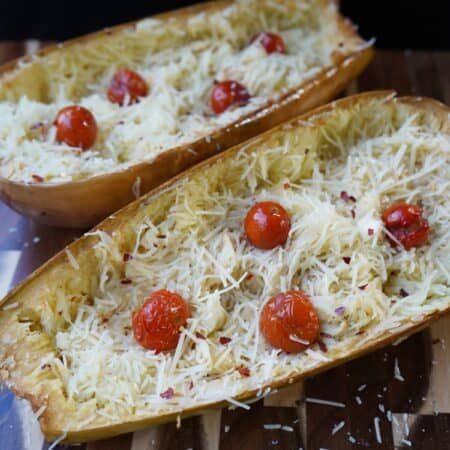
(320, 401)
(397, 373)
(196, 248)
(338, 427)
(376, 423)
(180, 65)
(272, 426)
(55, 443)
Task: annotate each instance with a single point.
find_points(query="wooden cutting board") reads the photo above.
(412, 408)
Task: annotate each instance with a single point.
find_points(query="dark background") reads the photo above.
(397, 24)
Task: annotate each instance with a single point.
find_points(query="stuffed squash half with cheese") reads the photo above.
(309, 245)
(108, 116)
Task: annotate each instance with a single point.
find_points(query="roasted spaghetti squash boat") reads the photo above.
(87, 126)
(314, 243)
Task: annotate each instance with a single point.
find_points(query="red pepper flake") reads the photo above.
(346, 259)
(360, 332)
(167, 394)
(126, 281)
(363, 286)
(326, 335)
(127, 257)
(249, 276)
(346, 197)
(193, 345)
(286, 185)
(353, 213)
(323, 347)
(224, 340)
(244, 371)
(161, 236)
(191, 385)
(403, 293)
(370, 231)
(199, 335)
(37, 178)
(37, 125)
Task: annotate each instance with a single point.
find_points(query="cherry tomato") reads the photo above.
(127, 84)
(405, 222)
(157, 324)
(76, 126)
(273, 43)
(289, 322)
(267, 225)
(228, 93)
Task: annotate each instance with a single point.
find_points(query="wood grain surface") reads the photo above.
(410, 411)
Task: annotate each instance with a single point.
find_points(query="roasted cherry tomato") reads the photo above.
(127, 85)
(273, 43)
(157, 324)
(76, 126)
(405, 222)
(267, 225)
(228, 93)
(290, 322)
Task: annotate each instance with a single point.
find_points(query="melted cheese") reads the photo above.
(198, 250)
(180, 77)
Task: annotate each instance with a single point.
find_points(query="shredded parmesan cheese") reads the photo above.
(10, 306)
(397, 374)
(198, 252)
(72, 260)
(189, 239)
(319, 401)
(234, 402)
(272, 426)
(376, 423)
(180, 63)
(55, 443)
(40, 411)
(338, 427)
(137, 187)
